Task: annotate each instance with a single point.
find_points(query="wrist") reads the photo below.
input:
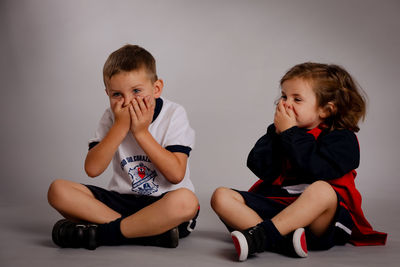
(141, 134)
(121, 126)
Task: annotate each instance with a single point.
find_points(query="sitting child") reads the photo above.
(148, 140)
(306, 197)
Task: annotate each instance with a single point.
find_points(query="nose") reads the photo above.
(127, 100)
(287, 103)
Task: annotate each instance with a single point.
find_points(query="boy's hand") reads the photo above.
(141, 112)
(121, 115)
(284, 117)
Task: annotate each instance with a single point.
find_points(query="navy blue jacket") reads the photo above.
(300, 158)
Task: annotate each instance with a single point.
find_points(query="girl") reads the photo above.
(306, 196)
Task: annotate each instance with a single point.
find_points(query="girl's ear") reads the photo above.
(158, 87)
(327, 111)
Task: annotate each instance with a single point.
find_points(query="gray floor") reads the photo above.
(25, 241)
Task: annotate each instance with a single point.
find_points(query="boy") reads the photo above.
(148, 139)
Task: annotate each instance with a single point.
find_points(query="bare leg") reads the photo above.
(231, 208)
(173, 209)
(76, 202)
(315, 208)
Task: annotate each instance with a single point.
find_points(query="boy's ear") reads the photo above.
(106, 91)
(328, 110)
(158, 87)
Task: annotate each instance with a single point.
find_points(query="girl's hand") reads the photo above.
(285, 117)
(121, 115)
(141, 113)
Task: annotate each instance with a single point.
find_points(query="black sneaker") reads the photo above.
(249, 241)
(187, 227)
(67, 234)
(169, 239)
(294, 244)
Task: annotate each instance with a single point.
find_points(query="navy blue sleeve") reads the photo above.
(178, 148)
(265, 159)
(93, 144)
(330, 156)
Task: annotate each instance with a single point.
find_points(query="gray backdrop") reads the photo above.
(222, 60)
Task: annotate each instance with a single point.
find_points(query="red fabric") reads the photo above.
(362, 234)
(254, 187)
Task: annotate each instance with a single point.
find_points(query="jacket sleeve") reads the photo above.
(264, 159)
(330, 156)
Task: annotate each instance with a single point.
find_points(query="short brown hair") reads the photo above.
(332, 83)
(129, 58)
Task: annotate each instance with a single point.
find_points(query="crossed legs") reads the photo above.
(315, 208)
(76, 202)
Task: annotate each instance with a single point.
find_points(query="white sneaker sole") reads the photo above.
(240, 242)
(299, 243)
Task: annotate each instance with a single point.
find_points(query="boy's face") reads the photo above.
(131, 84)
(299, 95)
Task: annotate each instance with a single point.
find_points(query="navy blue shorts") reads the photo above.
(338, 233)
(128, 204)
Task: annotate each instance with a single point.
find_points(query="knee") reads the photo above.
(219, 198)
(56, 191)
(184, 202)
(322, 192)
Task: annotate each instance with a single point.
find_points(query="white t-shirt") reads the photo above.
(133, 172)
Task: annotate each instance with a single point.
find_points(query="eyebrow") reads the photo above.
(296, 94)
(132, 87)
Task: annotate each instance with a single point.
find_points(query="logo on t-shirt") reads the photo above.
(143, 179)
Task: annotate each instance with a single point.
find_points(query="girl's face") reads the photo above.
(298, 94)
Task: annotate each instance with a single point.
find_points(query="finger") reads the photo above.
(290, 112)
(136, 108)
(277, 115)
(293, 112)
(118, 104)
(142, 104)
(150, 102)
(281, 106)
(286, 109)
(132, 113)
(116, 107)
(277, 105)
(277, 108)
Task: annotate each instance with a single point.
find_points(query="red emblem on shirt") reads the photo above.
(141, 172)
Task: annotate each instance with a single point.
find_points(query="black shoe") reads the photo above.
(67, 234)
(187, 227)
(249, 241)
(169, 239)
(294, 244)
